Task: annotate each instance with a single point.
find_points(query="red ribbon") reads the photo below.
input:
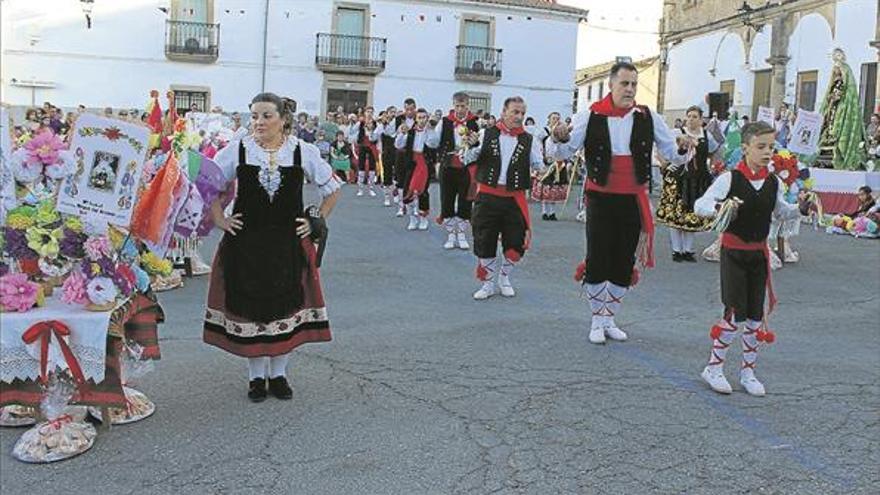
(44, 330)
(606, 107)
(516, 131)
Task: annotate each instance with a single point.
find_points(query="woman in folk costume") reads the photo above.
(748, 197)
(340, 155)
(364, 135)
(413, 143)
(617, 136)
(682, 185)
(265, 294)
(551, 187)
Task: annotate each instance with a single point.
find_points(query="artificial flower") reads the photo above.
(156, 265)
(19, 221)
(72, 244)
(142, 280)
(97, 247)
(44, 242)
(74, 289)
(101, 290)
(44, 148)
(16, 244)
(17, 293)
(74, 224)
(46, 214)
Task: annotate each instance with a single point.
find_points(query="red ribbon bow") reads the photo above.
(44, 331)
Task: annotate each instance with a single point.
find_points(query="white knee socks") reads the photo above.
(278, 365)
(506, 269)
(750, 346)
(676, 236)
(722, 343)
(257, 367)
(605, 301)
(687, 241)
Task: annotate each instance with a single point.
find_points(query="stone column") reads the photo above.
(779, 58)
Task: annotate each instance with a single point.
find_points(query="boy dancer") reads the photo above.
(413, 142)
(364, 136)
(752, 196)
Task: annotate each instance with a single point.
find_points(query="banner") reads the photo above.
(805, 133)
(766, 114)
(109, 160)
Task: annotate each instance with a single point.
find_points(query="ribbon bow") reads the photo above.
(44, 331)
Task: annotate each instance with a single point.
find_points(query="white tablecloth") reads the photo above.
(87, 340)
(844, 181)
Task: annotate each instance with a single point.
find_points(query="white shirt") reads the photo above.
(355, 129)
(718, 191)
(391, 129)
(508, 144)
(620, 130)
(428, 137)
(315, 168)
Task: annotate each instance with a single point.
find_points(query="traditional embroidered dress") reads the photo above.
(455, 178)
(414, 166)
(745, 268)
(551, 187)
(504, 159)
(617, 147)
(682, 186)
(265, 294)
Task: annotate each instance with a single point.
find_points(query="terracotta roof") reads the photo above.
(548, 5)
(601, 70)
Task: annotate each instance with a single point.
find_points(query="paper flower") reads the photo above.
(44, 148)
(46, 214)
(4, 268)
(125, 279)
(101, 290)
(74, 289)
(17, 244)
(71, 245)
(44, 242)
(17, 293)
(155, 265)
(142, 278)
(98, 247)
(74, 224)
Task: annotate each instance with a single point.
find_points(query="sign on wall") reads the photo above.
(109, 159)
(766, 114)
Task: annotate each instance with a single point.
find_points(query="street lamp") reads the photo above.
(87, 6)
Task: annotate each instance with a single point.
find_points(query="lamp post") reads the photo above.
(87, 6)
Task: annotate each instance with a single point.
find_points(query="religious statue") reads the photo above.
(843, 135)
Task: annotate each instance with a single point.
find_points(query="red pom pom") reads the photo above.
(715, 333)
(580, 272)
(482, 273)
(635, 277)
(513, 255)
(769, 337)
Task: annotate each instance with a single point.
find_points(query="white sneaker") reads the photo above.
(597, 334)
(360, 192)
(581, 216)
(462, 241)
(413, 223)
(506, 286)
(423, 223)
(615, 333)
(400, 212)
(714, 376)
(387, 201)
(751, 384)
(372, 193)
(396, 198)
(450, 242)
(486, 291)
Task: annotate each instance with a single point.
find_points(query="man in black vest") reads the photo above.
(408, 117)
(752, 197)
(504, 156)
(389, 158)
(455, 178)
(617, 136)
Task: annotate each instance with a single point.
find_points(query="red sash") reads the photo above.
(418, 183)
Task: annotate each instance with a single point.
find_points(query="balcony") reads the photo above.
(350, 54)
(477, 63)
(192, 41)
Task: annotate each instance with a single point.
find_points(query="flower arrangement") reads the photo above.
(794, 174)
(18, 294)
(37, 236)
(100, 278)
(43, 156)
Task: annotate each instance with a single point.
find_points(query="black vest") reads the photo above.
(597, 146)
(752, 222)
(447, 134)
(489, 161)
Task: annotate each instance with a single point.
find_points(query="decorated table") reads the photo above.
(837, 188)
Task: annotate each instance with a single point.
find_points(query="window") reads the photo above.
(480, 101)
(192, 11)
(728, 87)
(762, 91)
(806, 89)
(868, 90)
(184, 100)
(589, 92)
(477, 33)
(601, 93)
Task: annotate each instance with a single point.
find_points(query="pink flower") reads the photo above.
(17, 293)
(74, 289)
(98, 247)
(44, 148)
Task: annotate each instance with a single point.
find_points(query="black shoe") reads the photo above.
(279, 388)
(689, 257)
(257, 390)
(545, 216)
(552, 217)
(677, 257)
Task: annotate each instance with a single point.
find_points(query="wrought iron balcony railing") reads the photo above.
(346, 53)
(195, 41)
(478, 63)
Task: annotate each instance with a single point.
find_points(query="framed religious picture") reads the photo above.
(109, 159)
(806, 132)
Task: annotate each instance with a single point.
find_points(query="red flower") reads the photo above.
(786, 168)
(580, 272)
(112, 133)
(29, 266)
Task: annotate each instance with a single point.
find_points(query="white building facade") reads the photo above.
(778, 52)
(322, 53)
